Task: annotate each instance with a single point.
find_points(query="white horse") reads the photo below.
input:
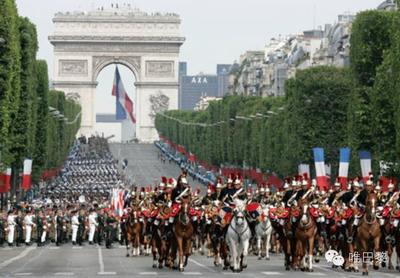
(238, 237)
(263, 233)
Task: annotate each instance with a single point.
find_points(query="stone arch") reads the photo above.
(148, 44)
(100, 62)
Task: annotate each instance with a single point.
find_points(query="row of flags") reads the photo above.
(321, 167)
(5, 177)
(124, 103)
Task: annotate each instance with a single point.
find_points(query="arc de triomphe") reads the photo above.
(148, 44)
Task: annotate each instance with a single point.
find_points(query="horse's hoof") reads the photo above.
(383, 264)
(310, 270)
(127, 255)
(303, 269)
(397, 267)
(267, 258)
(160, 266)
(244, 266)
(259, 258)
(287, 268)
(154, 266)
(225, 268)
(356, 270)
(365, 273)
(390, 267)
(181, 269)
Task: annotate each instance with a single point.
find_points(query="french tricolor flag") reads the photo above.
(5, 181)
(26, 178)
(344, 167)
(124, 103)
(322, 181)
(365, 162)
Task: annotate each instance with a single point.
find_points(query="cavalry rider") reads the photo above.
(182, 190)
(335, 192)
(227, 191)
(288, 191)
(350, 199)
(220, 186)
(210, 197)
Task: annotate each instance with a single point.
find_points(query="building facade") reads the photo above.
(195, 87)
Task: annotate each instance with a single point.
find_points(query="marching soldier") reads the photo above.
(110, 228)
(11, 228)
(81, 226)
(59, 223)
(2, 228)
(39, 228)
(100, 227)
(92, 225)
(19, 228)
(28, 221)
(75, 226)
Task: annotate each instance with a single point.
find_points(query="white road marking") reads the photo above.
(20, 256)
(148, 273)
(76, 247)
(54, 247)
(64, 273)
(191, 273)
(107, 273)
(23, 274)
(271, 273)
(202, 265)
(101, 262)
(315, 273)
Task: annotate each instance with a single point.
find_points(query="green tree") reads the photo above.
(9, 75)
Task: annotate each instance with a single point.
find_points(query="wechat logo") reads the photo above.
(332, 256)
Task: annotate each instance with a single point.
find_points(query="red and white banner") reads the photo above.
(26, 178)
(5, 181)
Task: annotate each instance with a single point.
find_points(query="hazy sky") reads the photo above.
(216, 31)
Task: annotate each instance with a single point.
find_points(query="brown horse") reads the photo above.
(183, 235)
(133, 231)
(305, 234)
(286, 238)
(369, 233)
(159, 243)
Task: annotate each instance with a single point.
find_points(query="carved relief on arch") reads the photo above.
(133, 63)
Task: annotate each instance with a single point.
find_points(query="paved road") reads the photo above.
(94, 261)
(144, 167)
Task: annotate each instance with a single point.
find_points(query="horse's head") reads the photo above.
(184, 213)
(371, 203)
(304, 209)
(238, 214)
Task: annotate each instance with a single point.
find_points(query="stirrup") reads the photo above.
(350, 239)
